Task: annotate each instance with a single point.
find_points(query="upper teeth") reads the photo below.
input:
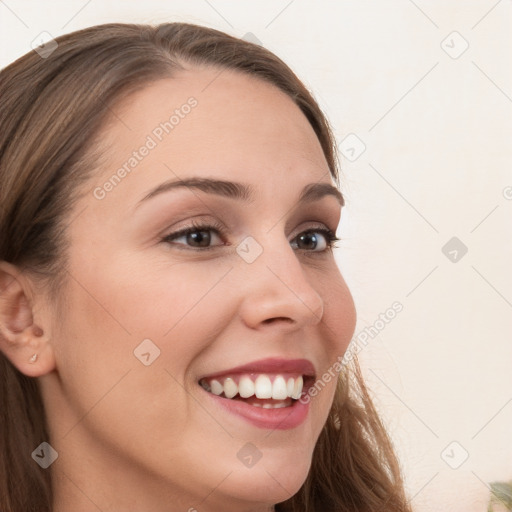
(260, 385)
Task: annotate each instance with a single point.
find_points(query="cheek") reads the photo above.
(145, 297)
(339, 315)
(114, 308)
(115, 394)
(336, 330)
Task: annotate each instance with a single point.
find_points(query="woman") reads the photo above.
(172, 319)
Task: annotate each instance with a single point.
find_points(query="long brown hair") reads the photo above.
(51, 109)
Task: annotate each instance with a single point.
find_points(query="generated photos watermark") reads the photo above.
(357, 344)
(156, 136)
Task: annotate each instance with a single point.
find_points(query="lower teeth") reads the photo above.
(265, 403)
(270, 406)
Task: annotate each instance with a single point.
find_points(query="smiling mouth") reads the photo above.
(268, 391)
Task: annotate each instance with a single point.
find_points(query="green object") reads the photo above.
(501, 492)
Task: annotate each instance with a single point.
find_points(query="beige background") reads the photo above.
(434, 119)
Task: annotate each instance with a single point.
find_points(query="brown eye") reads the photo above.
(196, 236)
(317, 240)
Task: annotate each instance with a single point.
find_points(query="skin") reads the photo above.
(133, 437)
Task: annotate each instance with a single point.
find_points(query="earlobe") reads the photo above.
(21, 340)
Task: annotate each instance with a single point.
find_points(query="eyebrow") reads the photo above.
(240, 191)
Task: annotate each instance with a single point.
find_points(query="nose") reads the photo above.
(277, 289)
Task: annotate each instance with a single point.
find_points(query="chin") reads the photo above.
(268, 481)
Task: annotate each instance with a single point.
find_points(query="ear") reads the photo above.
(20, 337)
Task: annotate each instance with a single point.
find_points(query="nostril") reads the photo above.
(270, 320)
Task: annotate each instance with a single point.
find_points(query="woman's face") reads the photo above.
(147, 313)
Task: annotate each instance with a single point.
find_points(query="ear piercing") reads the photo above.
(33, 359)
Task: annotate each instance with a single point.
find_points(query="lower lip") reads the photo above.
(283, 418)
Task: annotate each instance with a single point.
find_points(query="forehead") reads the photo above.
(229, 107)
(218, 91)
(212, 122)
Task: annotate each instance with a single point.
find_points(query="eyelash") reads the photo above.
(219, 229)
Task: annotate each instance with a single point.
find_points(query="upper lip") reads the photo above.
(270, 365)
